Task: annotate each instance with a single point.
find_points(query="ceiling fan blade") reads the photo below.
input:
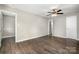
(60, 13)
(49, 12)
(59, 10)
(52, 12)
(48, 15)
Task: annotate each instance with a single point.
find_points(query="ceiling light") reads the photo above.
(54, 14)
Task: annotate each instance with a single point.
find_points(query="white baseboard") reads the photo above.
(59, 36)
(7, 36)
(65, 37)
(21, 40)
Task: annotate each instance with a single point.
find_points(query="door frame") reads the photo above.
(11, 14)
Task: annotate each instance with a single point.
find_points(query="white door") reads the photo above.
(71, 27)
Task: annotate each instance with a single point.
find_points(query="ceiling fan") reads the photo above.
(55, 12)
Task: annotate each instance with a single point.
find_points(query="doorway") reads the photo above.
(7, 25)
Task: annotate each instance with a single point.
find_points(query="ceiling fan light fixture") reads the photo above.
(54, 14)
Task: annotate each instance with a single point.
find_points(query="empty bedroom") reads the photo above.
(39, 28)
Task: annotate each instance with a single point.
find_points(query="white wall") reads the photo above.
(59, 26)
(31, 26)
(28, 25)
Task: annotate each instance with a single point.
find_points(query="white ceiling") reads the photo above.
(42, 9)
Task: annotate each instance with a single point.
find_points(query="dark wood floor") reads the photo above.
(42, 45)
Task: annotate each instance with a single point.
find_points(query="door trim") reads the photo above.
(11, 14)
